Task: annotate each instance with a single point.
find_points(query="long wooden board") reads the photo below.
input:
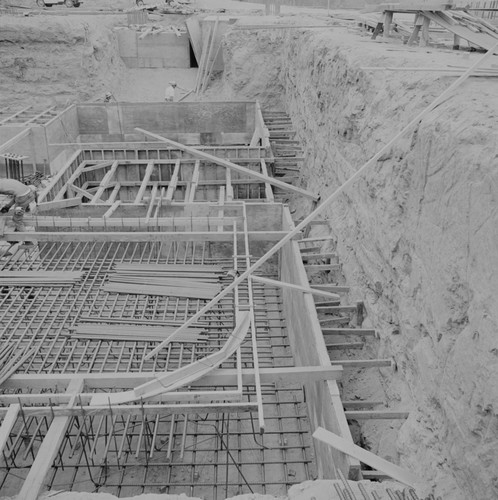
(185, 375)
(348, 447)
(228, 164)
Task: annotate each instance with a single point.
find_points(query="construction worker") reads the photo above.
(22, 197)
(170, 93)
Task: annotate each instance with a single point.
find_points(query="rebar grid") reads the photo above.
(42, 317)
(214, 456)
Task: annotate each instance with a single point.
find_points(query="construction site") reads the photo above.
(260, 262)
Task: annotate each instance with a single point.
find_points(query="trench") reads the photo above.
(405, 233)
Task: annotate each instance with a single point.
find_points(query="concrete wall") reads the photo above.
(191, 123)
(61, 129)
(164, 50)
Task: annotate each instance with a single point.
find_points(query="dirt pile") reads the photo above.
(417, 237)
(55, 60)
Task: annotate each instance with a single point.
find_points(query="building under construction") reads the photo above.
(159, 330)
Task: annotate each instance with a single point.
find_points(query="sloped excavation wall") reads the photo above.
(418, 236)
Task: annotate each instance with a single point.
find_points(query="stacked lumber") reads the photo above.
(11, 360)
(186, 281)
(126, 332)
(39, 278)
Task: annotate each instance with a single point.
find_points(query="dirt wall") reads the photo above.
(417, 236)
(49, 60)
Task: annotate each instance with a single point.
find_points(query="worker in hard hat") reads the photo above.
(21, 197)
(170, 93)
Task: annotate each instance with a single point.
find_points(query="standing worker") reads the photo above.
(22, 196)
(170, 93)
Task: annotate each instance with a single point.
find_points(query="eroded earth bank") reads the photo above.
(417, 236)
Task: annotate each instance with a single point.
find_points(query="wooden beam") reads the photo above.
(69, 182)
(9, 420)
(195, 180)
(349, 331)
(332, 288)
(376, 414)
(57, 204)
(49, 448)
(125, 380)
(228, 164)
(268, 189)
(105, 182)
(143, 186)
(82, 192)
(112, 209)
(290, 286)
(173, 182)
(11, 235)
(348, 447)
(362, 363)
(229, 185)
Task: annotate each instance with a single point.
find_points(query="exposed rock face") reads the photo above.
(417, 236)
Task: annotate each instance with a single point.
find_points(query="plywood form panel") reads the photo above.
(309, 349)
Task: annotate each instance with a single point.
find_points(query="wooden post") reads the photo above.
(49, 448)
(388, 19)
(456, 42)
(424, 38)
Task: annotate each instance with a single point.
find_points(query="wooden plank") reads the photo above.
(363, 363)
(268, 189)
(5, 120)
(352, 331)
(100, 165)
(376, 414)
(195, 180)
(228, 174)
(290, 286)
(112, 209)
(173, 182)
(49, 448)
(57, 204)
(228, 164)
(348, 447)
(105, 182)
(344, 345)
(330, 287)
(8, 423)
(484, 40)
(82, 192)
(219, 377)
(361, 404)
(11, 235)
(143, 186)
(186, 375)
